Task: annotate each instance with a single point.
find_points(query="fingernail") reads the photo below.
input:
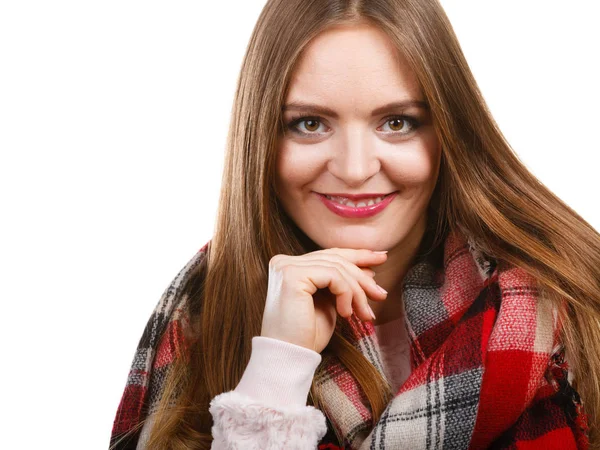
(372, 313)
(382, 290)
(381, 251)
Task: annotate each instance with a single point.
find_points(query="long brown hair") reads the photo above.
(483, 190)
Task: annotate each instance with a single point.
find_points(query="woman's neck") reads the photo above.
(390, 274)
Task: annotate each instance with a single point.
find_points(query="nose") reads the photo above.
(355, 160)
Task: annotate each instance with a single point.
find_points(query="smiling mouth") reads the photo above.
(360, 208)
(357, 201)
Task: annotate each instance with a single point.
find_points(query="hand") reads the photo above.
(304, 292)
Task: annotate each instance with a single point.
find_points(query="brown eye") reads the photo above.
(397, 124)
(305, 126)
(401, 125)
(311, 124)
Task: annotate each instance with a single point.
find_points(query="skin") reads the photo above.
(353, 70)
(296, 311)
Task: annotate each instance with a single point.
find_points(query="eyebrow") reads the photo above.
(309, 107)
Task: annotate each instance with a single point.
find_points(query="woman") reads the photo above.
(358, 129)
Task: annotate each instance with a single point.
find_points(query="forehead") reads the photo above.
(352, 66)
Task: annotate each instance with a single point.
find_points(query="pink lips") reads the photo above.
(357, 212)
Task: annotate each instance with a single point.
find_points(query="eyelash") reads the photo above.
(414, 123)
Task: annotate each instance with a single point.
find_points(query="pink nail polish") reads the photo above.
(372, 313)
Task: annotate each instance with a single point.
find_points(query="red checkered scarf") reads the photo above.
(487, 368)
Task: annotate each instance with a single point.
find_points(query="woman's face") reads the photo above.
(345, 137)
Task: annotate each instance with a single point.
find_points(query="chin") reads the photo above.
(356, 240)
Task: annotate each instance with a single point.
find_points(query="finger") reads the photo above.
(368, 271)
(360, 257)
(360, 302)
(368, 284)
(331, 278)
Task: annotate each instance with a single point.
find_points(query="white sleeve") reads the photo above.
(267, 410)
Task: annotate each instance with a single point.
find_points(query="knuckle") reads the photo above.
(337, 264)
(286, 271)
(338, 259)
(359, 288)
(335, 270)
(275, 259)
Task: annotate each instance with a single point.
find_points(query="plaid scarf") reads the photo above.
(488, 369)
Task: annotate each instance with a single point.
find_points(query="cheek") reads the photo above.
(414, 168)
(296, 167)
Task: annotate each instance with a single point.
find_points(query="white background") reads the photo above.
(113, 118)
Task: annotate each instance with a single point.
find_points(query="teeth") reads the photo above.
(360, 204)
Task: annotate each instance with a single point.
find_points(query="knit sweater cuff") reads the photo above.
(278, 373)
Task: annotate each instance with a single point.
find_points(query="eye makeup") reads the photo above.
(297, 119)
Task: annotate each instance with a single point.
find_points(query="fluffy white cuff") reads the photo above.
(241, 422)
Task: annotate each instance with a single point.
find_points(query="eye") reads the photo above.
(402, 124)
(398, 125)
(311, 125)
